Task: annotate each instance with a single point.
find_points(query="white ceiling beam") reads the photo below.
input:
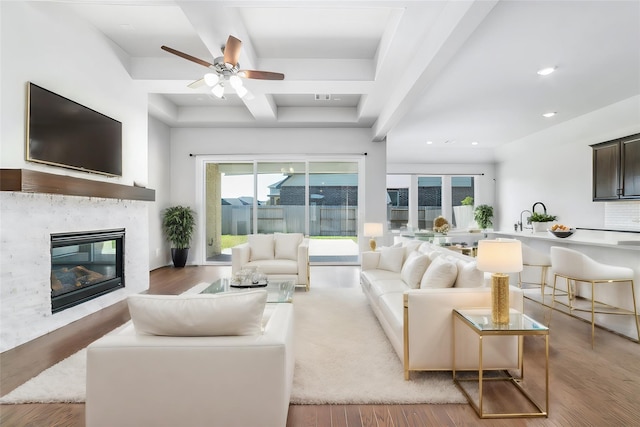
(455, 24)
(161, 108)
(262, 108)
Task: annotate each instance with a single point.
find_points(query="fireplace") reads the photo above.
(85, 265)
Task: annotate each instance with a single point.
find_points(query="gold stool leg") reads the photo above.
(593, 314)
(635, 309)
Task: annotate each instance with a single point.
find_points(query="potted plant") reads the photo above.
(539, 221)
(178, 223)
(463, 214)
(467, 201)
(483, 214)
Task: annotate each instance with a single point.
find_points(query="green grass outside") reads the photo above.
(229, 241)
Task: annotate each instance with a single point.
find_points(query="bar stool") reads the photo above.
(535, 258)
(574, 266)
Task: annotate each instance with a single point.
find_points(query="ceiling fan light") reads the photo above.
(235, 81)
(211, 79)
(218, 91)
(241, 91)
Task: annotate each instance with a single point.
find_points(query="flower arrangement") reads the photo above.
(441, 225)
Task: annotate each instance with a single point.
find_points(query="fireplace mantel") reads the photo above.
(30, 181)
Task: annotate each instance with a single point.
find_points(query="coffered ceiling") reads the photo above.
(448, 72)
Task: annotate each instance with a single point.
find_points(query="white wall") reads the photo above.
(73, 60)
(160, 180)
(555, 166)
(284, 142)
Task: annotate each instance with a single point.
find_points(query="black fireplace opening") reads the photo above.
(85, 265)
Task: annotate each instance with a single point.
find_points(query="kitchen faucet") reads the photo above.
(533, 208)
(528, 222)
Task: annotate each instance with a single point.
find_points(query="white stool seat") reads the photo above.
(576, 266)
(534, 258)
(568, 262)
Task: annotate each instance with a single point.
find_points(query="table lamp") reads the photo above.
(499, 257)
(373, 230)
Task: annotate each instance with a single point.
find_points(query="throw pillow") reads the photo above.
(228, 313)
(414, 268)
(410, 247)
(468, 275)
(261, 246)
(391, 259)
(441, 273)
(287, 245)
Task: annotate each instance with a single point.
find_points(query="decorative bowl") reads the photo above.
(562, 234)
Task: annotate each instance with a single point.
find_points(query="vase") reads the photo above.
(540, 227)
(463, 216)
(179, 257)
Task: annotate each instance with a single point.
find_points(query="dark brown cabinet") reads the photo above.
(616, 169)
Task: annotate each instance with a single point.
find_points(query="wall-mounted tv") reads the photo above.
(63, 133)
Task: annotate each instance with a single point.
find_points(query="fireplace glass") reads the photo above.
(84, 266)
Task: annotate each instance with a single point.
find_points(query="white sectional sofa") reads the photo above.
(138, 379)
(413, 290)
(281, 256)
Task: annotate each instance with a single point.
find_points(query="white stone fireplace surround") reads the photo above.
(26, 223)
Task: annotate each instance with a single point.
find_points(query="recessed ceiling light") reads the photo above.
(551, 114)
(429, 142)
(546, 71)
(474, 142)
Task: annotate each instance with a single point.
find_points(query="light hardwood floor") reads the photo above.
(599, 387)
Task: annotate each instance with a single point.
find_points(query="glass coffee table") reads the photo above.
(278, 291)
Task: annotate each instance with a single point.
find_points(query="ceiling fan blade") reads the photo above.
(261, 75)
(232, 50)
(196, 84)
(187, 56)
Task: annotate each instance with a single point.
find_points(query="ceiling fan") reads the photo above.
(226, 69)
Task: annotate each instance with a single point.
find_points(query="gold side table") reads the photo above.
(479, 320)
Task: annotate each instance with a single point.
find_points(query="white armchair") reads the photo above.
(281, 256)
(147, 380)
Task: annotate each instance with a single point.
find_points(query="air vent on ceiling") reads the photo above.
(323, 97)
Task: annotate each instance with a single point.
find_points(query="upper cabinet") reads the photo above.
(616, 169)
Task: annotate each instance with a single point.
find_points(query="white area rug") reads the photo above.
(342, 357)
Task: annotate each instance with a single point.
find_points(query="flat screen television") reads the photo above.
(63, 133)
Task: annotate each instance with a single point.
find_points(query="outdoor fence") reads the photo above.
(323, 220)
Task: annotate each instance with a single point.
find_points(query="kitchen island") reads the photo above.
(608, 247)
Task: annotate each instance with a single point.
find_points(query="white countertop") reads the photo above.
(610, 239)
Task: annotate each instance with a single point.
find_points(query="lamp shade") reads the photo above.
(211, 79)
(373, 229)
(500, 255)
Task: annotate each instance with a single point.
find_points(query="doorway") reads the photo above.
(314, 197)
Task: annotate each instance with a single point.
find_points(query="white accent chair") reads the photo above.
(534, 258)
(167, 381)
(281, 256)
(575, 266)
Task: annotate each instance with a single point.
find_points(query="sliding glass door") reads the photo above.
(229, 194)
(316, 198)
